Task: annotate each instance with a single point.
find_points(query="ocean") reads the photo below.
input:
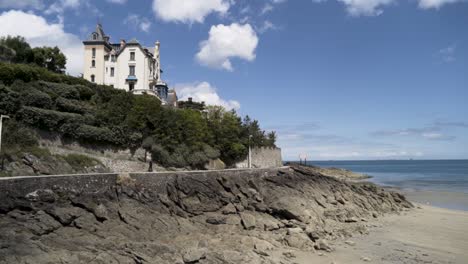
(448, 178)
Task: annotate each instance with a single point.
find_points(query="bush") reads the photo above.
(56, 90)
(160, 155)
(36, 98)
(48, 119)
(17, 135)
(78, 162)
(27, 73)
(9, 101)
(72, 106)
(85, 92)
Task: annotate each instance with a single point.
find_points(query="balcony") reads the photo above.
(131, 78)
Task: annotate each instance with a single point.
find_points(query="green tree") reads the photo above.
(6, 54)
(22, 51)
(50, 58)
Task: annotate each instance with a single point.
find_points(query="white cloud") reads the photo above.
(447, 54)
(266, 8)
(60, 6)
(188, 11)
(226, 42)
(38, 32)
(431, 133)
(117, 1)
(266, 26)
(204, 92)
(427, 4)
(35, 4)
(136, 21)
(365, 7)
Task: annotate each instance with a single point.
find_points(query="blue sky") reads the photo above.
(337, 79)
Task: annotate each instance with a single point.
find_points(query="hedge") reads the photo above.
(27, 73)
(72, 106)
(48, 119)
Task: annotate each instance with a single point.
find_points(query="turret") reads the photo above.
(158, 61)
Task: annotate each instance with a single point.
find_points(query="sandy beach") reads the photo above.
(425, 234)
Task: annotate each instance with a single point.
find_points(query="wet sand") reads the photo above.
(423, 235)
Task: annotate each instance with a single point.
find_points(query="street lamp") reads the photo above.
(250, 153)
(1, 122)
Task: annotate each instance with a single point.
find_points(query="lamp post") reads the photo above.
(250, 153)
(1, 123)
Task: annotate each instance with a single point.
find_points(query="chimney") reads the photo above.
(190, 99)
(122, 43)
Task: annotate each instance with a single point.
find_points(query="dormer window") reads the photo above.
(94, 36)
(132, 56)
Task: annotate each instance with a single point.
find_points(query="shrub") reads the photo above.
(79, 162)
(9, 101)
(70, 105)
(10, 72)
(36, 98)
(85, 92)
(48, 119)
(56, 90)
(17, 135)
(160, 155)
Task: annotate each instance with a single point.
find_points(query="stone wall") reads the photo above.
(99, 183)
(115, 159)
(263, 158)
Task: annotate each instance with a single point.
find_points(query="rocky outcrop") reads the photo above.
(237, 216)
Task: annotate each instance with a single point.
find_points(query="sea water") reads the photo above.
(440, 177)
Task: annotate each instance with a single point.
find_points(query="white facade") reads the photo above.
(127, 65)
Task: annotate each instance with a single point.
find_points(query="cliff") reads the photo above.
(232, 216)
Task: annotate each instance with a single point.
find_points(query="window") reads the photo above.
(107, 69)
(132, 70)
(92, 78)
(93, 63)
(132, 56)
(94, 52)
(113, 58)
(131, 86)
(112, 72)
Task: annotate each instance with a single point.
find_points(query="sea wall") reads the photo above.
(206, 217)
(263, 157)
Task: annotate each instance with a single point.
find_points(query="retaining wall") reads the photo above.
(263, 158)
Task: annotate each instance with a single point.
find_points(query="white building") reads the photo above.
(126, 65)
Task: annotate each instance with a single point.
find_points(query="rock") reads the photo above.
(366, 259)
(215, 164)
(375, 215)
(299, 240)
(193, 255)
(351, 220)
(248, 220)
(351, 243)
(216, 220)
(293, 231)
(45, 195)
(322, 244)
(289, 254)
(100, 212)
(229, 209)
(263, 245)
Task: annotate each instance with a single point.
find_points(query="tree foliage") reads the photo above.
(15, 49)
(96, 114)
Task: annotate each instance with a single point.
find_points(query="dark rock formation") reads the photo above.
(203, 217)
